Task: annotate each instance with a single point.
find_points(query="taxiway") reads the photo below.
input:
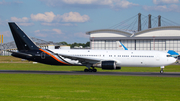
(166, 74)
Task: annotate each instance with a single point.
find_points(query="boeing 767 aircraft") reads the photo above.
(105, 59)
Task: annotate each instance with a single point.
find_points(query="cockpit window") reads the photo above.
(169, 56)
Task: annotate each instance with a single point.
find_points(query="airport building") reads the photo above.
(160, 38)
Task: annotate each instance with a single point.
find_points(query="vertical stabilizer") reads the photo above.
(121, 46)
(23, 42)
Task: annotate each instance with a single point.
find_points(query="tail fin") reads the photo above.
(120, 45)
(23, 42)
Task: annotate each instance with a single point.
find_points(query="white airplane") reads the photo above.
(105, 59)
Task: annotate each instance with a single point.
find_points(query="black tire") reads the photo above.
(90, 70)
(161, 72)
(86, 70)
(94, 70)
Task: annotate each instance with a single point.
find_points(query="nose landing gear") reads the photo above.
(162, 70)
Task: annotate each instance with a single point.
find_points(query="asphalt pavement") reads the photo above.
(156, 74)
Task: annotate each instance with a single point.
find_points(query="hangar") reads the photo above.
(160, 38)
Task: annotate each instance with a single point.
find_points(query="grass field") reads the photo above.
(11, 59)
(45, 87)
(40, 87)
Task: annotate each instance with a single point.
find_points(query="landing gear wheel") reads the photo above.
(161, 71)
(86, 70)
(94, 70)
(90, 70)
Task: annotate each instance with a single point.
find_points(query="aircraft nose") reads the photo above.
(172, 60)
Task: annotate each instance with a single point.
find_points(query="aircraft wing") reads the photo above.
(81, 59)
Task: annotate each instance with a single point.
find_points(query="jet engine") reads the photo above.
(108, 65)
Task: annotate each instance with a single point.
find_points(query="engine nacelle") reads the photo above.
(109, 65)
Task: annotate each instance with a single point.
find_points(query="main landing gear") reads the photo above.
(89, 69)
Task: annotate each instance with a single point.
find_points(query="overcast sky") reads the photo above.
(69, 20)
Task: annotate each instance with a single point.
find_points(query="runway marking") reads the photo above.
(156, 74)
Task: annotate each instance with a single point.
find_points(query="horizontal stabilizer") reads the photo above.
(19, 53)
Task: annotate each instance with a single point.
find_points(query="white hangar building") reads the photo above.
(159, 38)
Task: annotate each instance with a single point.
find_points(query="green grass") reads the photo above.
(45, 87)
(41, 87)
(11, 59)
